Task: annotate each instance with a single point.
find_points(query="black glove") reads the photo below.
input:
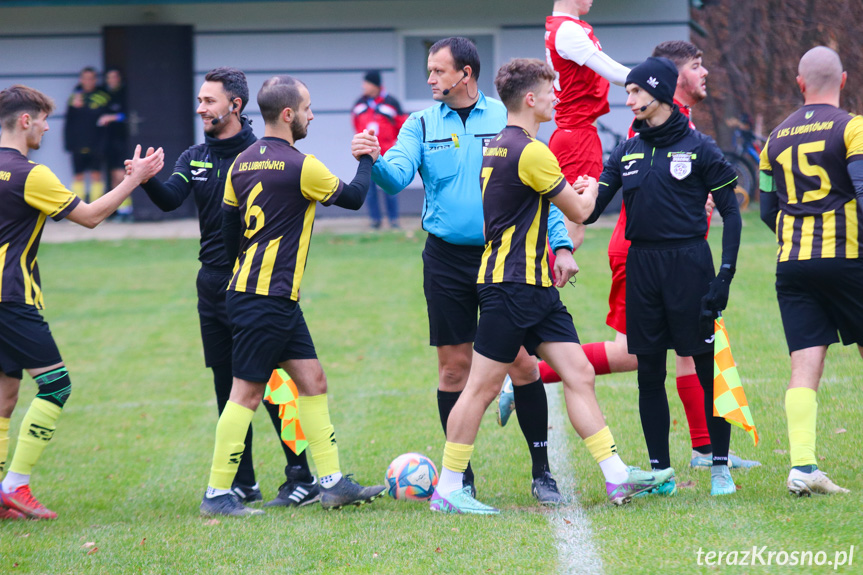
(706, 324)
(717, 296)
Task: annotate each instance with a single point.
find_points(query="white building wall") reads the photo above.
(327, 44)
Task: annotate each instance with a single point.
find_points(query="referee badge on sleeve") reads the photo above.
(681, 164)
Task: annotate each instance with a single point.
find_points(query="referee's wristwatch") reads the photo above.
(728, 267)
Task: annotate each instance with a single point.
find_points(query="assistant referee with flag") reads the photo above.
(666, 172)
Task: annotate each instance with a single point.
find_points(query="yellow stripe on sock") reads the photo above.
(314, 413)
(230, 443)
(601, 444)
(456, 456)
(37, 429)
(801, 409)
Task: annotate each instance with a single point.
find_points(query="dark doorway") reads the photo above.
(157, 63)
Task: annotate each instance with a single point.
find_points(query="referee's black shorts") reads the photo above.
(449, 283)
(665, 282)
(514, 315)
(216, 332)
(818, 298)
(25, 340)
(268, 330)
(86, 162)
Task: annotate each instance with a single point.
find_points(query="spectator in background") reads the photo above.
(377, 111)
(83, 136)
(116, 135)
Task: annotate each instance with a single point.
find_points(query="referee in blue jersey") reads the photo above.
(444, 144)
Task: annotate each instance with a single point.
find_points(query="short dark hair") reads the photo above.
(518, 77)
(463, 52)
(233, 82)
(278, 93)
(17, 100)
(678, 51)
(88, 69)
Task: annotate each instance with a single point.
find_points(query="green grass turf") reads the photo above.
(130, 460)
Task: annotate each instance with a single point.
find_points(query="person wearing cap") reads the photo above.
(376, 110)
(666, 172)
(613, 356)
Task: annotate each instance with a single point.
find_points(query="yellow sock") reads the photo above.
(801, 409)
(314, 412)
(230, 443)
(97, 190)
(601, 444)
(37, 429)
(79, 189)
(4, 442)
(456, 456)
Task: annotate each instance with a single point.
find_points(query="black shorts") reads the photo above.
(818, 298)
(88, 162)
(449, 283)
(216, 332)
(514, 315)
(664, 286)
(115, 155)
(267, 331)
(25, 340)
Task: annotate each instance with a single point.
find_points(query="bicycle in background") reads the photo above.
(745, 158)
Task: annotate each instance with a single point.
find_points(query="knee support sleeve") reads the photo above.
(54, 386)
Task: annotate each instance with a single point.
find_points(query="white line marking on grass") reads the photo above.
(576, 550)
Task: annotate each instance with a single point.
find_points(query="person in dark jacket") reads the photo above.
(666, 172)
(116, 134)
(202, 170)
(82, 135)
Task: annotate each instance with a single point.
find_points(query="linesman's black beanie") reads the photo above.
(656, 75)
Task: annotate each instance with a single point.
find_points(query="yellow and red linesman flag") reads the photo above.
(729, 399)
(282, 391)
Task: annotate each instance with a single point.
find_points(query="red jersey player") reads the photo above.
(583, 73)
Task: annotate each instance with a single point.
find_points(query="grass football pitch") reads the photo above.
(130, 460)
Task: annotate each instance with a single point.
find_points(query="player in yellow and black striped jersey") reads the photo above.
(518, 304)
(811, 193)
(804, 166)
(277, 188)
(269, 205)
(520, 176)
(29, 194)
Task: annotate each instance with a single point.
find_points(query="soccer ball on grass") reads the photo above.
(411, 476)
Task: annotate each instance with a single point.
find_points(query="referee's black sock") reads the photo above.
(304, 473)
(719, 429)
(531, 406)
(653, 408)
(445, 402)
(223, 380)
